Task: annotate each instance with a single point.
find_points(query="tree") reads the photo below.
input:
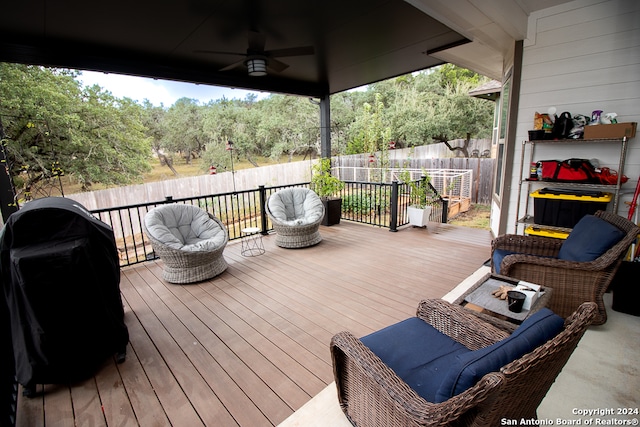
(424, 107)
(229, 120)
(290, 125)
(344, 107)
(153, 119)
(183, 131)
(370, 132)
(109, 145)
(53, 127)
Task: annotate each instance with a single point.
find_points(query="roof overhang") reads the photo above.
(355, 42)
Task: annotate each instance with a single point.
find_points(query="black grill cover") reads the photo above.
(61, 280)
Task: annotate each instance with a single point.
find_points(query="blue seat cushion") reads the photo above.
(590, 238)
(468, 368)
(417, 352)
(498, 256)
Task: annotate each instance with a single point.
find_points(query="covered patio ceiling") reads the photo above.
(348, 43)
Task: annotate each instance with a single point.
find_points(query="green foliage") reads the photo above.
(364, 202)
(322, 182)
(420, 191)
(431, 105)
(54, 127)
(358, 203)
(450, 75)
(183, 129)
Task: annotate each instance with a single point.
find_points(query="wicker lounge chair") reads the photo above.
(535, 260)
(372, 394)
(296, 214)
(189, 240)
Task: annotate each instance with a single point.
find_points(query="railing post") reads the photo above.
(263, 215)
(445, 210)
(393, 224)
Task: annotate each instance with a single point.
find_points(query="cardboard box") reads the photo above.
(617, 130)
(531, 290)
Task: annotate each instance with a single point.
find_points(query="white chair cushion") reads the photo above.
(184, 227)
(296, 206)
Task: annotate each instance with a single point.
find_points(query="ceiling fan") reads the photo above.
(257, 60)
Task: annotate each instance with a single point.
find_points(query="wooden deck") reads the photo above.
(250, 347)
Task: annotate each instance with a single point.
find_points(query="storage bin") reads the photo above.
(545, 232)
(565, 207)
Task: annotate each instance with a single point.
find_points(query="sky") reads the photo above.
(160, 91)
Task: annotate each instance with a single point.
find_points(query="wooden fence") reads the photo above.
(287, 173)
(482, 170)
(245, 179)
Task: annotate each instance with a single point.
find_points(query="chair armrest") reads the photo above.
(346, 349)
(369, 390)
(459, 324)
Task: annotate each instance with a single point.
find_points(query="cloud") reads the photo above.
(160, 91)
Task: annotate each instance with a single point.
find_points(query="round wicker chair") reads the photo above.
(296, 214)
(189, 240)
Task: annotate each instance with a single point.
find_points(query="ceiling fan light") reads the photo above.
(257, 67)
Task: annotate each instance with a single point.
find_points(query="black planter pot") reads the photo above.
(332, 211)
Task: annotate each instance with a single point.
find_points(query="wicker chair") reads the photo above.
(189, 240)
(573, 282)
(296, 214)
(371, 394)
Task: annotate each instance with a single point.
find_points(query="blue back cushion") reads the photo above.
(498, 256)
(470, 367)
(417, 352)
(590, 238)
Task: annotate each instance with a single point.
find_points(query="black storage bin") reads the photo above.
(564, 208)
(626, 289)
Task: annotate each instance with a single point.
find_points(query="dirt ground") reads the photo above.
(476, 217)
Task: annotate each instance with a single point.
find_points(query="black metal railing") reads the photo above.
(237, 210)
(380, 204)
(384, 204)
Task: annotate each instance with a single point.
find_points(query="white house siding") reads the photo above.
(579, 57)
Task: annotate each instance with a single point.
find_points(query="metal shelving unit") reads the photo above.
(526, 218)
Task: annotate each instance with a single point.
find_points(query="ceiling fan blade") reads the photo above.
(216, 52)
(234, 65)
(292, 51)
(256, 41)
(275, 65)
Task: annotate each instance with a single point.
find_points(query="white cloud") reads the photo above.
(160, 91)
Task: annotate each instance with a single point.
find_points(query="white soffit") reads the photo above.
(493, 26)
(475, 57)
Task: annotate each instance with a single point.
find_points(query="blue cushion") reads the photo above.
(590, 238)
(498, 256)
(470, 367)
(417, 352)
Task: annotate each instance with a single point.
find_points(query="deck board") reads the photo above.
(250, 346)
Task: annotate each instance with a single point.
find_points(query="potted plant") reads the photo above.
(421, 194)
(326, 187)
